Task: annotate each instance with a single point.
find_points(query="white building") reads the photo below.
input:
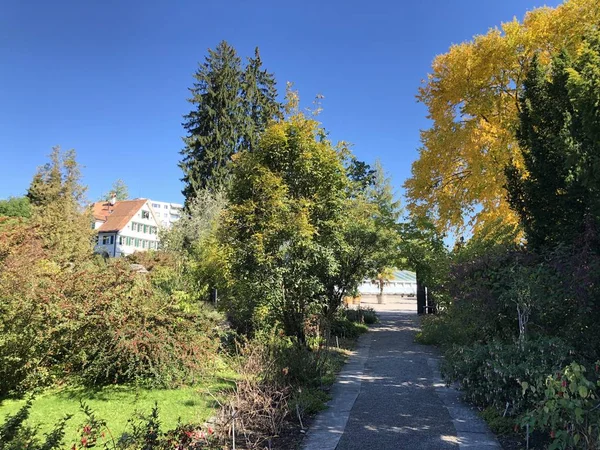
(125, 227)
(166, 213)
(402, 283)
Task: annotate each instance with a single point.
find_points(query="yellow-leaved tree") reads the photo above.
(472, 98)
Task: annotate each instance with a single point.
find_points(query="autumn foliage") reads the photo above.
(95, 322)
(472, 95)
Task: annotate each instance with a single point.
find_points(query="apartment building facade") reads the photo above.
(166, 213)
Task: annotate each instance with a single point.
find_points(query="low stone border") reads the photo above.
(471, 430)
(328, 427)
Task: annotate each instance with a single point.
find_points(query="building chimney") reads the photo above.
(113, 199)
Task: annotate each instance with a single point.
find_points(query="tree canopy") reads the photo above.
(119, 189)
(57, 198)
(472, 96)
(558, 188)
(231, 107)
(306, 223)
(15, 207)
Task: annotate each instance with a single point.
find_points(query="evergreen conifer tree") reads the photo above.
(213, 126)
(57, 198)
(232, 106)
(558, 190)
(259, 99)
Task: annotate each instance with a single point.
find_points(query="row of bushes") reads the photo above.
(517, 320)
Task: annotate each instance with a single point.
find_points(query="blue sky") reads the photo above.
(109, 78)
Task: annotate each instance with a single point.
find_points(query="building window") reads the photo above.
(137, 242)
(133, 226)
(145, 228)
(155, 205)
(145, 214)
(166, 206)
(165, 215)
(121, 240)
(143, 243)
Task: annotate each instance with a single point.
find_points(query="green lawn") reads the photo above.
(117, 404)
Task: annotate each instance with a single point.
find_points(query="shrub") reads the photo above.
(258, 405)
(342, 327)
(101, 323)
(497, 422)
(361, 315)
(491, 374)
(308, 401)
(435, 330)
(126, 331)
(286, 361)
(569, 407)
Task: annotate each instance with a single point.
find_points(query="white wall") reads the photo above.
(166, 213)
(128, 231)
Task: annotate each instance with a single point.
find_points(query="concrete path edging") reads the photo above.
(471, 430)
(328, 427)
(390, 394)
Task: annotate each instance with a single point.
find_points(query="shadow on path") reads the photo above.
(389, 396)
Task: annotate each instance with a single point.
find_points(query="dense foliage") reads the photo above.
(557, 191)
(472, 96)
(232, 106)
(299, 233)
(99, 323)
(15, 207)
(520, 326)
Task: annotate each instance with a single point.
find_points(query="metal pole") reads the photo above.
(420, 295)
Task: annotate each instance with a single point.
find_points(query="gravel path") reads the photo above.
(390, 396)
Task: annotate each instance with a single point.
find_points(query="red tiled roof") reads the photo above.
(116, 216)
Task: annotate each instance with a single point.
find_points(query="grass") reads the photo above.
(117, 404)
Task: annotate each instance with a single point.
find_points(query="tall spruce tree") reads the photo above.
(232, 106)
(259, 100)
(213, 126)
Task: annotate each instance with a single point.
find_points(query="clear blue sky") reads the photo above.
(109, 78)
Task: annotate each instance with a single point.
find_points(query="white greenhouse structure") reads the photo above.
(403, 283)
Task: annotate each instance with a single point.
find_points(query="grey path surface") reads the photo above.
(390, 396)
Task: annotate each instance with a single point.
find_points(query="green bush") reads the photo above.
(127, 331)
(362, 315)
(308, 401)
(569, 408)
(435, 330)
(498, 423)
(289, 362)
(491, 374)
(342, 327)
(101, 323)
